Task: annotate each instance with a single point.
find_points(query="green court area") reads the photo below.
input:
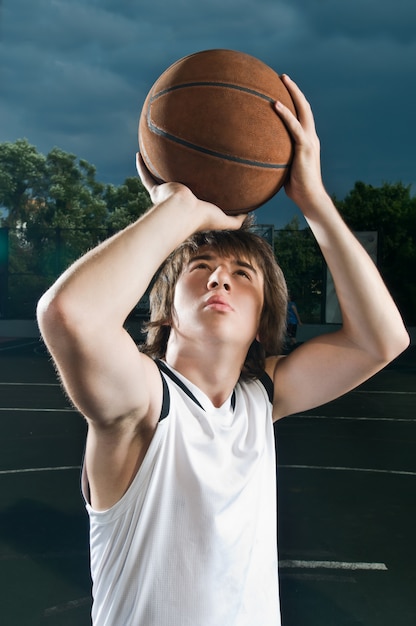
(347, 505)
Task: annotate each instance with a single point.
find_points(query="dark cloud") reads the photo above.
(361, 19)
(74, 73)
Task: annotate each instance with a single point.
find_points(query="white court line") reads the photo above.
(19, 345)
(350, 417)
(363, 391)
(398, 393)
(30, 384)
(304, 467)
(344, 565)
(10, 408)
(296, 415)
(67, 606)
(31, 470)
(348, 469)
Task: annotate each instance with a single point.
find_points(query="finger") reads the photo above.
(145, 176)
(291, 122)
(236, 221)
(220, 220)
(303, 108)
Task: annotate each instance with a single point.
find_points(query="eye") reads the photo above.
(200, 265)
(243, 273)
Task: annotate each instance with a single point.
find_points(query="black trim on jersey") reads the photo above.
(164, 412)
(267, 383)
(265, 380)
(233, 400)
(166, 370)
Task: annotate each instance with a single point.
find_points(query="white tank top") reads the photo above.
(193, 542)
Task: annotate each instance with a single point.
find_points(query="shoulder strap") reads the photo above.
(267, 383)
(163, 368)
(164, 412)
(166, 370)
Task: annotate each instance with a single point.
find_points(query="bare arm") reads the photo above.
(372, 332)
(81, 318)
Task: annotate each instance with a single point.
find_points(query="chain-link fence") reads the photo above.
(31, 258)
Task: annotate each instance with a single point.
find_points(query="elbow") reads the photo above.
(405, 341)
(53, 316)
(395, 346)
(48, 316)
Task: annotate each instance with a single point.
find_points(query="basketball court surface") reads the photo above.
(347, 502)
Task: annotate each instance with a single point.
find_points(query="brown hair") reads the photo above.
(246, 245)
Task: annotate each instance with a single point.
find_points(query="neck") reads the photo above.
(215, 372)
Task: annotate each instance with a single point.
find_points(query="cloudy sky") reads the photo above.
(74, 74)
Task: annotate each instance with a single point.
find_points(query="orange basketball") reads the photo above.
(208, 122)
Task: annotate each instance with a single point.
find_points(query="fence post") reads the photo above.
(58, 250)
(4, 271)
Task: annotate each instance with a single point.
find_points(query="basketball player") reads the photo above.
(179, 473)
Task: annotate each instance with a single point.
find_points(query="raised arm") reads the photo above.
(372, 332)
(82, 315)
(81, 318)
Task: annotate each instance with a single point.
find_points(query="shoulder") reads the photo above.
(271, 365)
(272, 368)
(262, 386)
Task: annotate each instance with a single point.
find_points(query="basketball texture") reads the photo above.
(208, 122)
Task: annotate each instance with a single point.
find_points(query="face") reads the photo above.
(219, 299)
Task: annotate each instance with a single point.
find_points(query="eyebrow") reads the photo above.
(210, 257)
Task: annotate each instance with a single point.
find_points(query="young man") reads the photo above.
(179, 472)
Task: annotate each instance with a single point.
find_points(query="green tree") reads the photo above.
(22, 169)
(69, 214)
(301, 261)
(56, 210)
(69, 196)
(126, 203)
(391, 211)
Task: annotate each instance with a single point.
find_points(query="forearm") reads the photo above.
(95, 295)
(102, 287)
(370, 316)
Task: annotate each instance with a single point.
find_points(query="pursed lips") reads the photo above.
(216, 302)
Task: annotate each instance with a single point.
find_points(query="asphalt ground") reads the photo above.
(347, 502)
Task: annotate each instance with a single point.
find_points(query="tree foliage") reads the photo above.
(55, 210)
(22, 170)
(301, 261)
(125, 203)
(391, 211)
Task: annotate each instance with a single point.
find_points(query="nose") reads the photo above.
(219, 279)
